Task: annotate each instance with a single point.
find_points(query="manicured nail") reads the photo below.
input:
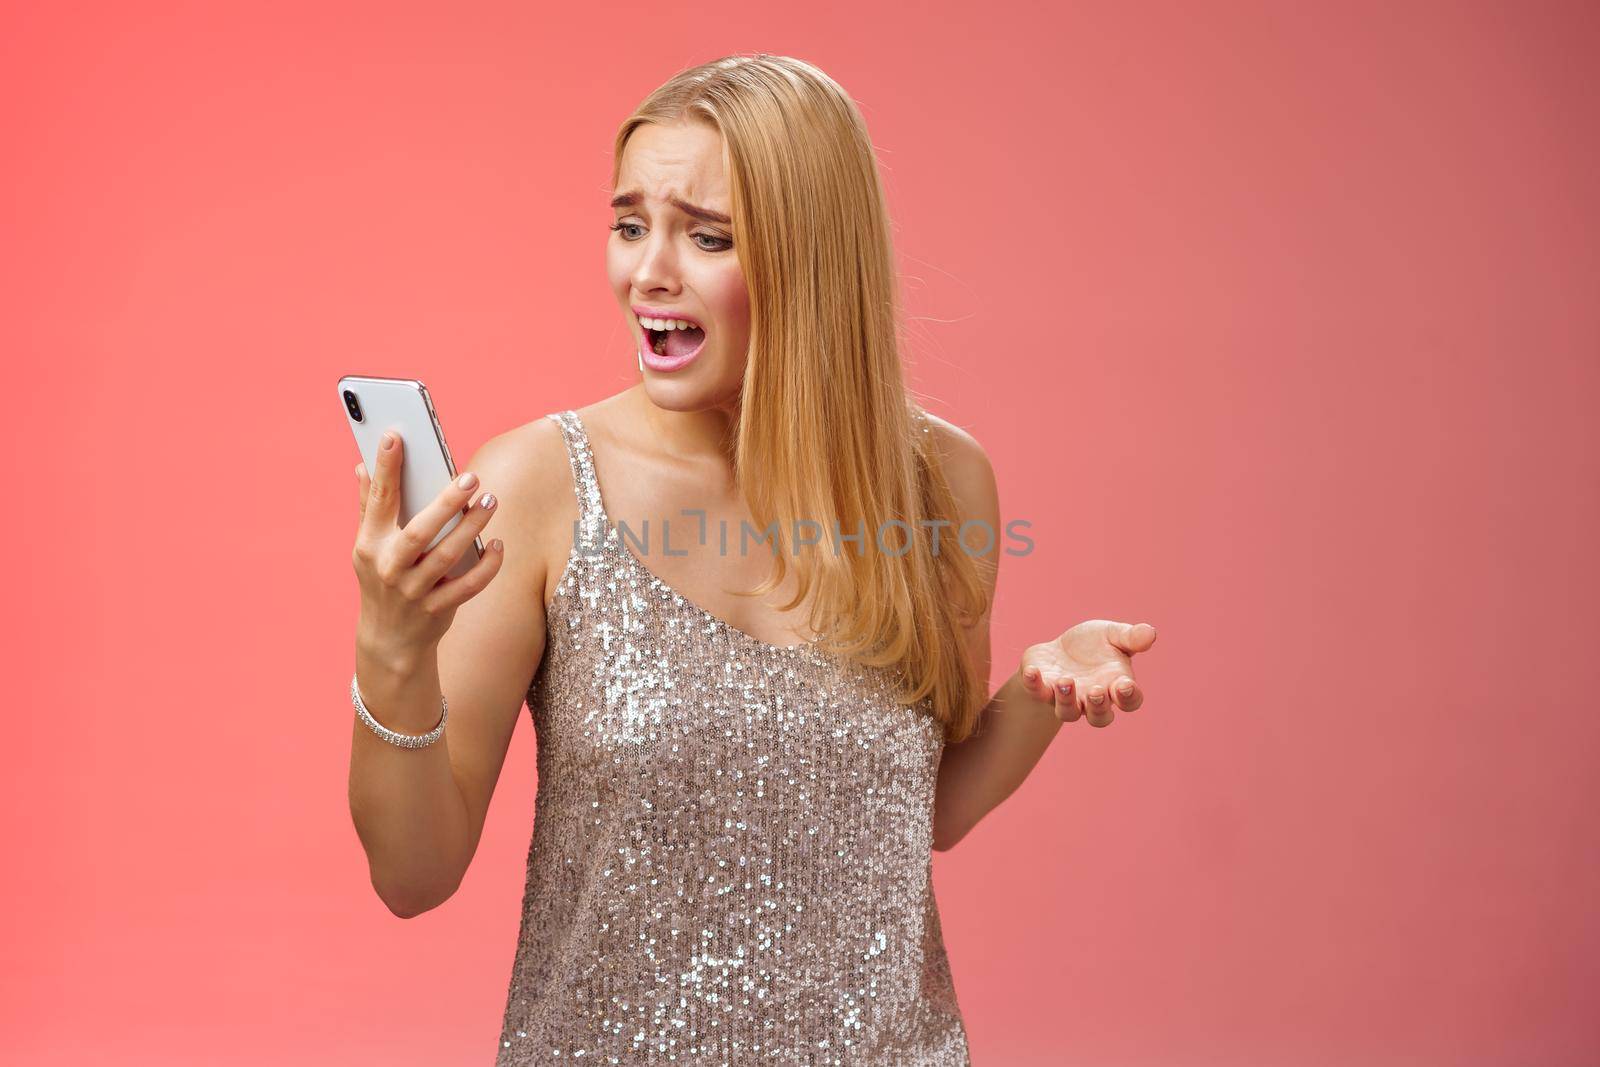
(497, 545)
(1125, 689)
(388, 441)
(467, 480)
(486, 501)
(1097, 698)
(1065, 686)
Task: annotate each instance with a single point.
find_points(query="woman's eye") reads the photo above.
(707, 242)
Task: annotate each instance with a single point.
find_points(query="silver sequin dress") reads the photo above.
(731, 858)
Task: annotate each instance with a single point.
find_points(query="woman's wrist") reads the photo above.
(398, 685)
(399, 663)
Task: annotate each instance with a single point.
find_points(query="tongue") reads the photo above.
(681, 342)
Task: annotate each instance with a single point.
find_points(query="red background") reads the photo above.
(1278, 322)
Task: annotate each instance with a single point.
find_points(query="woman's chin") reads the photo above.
(695, 388)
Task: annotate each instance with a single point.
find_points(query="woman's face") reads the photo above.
(670, 252)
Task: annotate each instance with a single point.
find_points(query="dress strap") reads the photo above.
(591, 511)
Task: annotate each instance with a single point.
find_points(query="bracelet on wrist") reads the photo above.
(398, 739)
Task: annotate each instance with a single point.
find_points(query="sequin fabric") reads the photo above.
(731, 857)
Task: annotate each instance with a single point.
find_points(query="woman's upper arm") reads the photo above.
(971, 478)
(488, 657)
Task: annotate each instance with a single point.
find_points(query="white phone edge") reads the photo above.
(404, 405)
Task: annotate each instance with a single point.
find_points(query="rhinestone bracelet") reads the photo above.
(403, 740)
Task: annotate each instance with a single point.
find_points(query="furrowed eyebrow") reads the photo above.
(704, 214)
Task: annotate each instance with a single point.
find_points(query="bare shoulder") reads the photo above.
(967, 468)
(519, 457)
(970, 475)
(528, 471)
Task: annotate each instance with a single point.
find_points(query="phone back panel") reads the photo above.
(403, 405)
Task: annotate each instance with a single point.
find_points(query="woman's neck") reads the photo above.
(688, 436)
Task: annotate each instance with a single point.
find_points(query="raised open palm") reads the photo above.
(1089, 670)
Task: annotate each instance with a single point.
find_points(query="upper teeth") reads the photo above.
(665, 324)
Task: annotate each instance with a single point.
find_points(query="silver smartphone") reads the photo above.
(374, 405)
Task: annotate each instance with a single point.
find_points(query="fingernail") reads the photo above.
(1030, 673)
(1066, 686)
(1098, 698)
(388, 441)
(486, 501)
(497, 545)
(358, 472)
(467, 480)
(1125, 689)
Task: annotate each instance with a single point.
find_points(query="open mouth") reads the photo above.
(673, 339)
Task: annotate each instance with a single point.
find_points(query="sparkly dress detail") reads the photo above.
(731, 859)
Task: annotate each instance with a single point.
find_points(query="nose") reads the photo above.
(656, 269)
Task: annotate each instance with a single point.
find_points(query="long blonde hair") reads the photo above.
(827, 432)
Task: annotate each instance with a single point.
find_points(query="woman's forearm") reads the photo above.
(406, 805)
(975, 775)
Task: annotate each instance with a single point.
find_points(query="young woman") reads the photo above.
(751, 731)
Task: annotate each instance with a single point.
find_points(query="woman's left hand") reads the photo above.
(1088, 670)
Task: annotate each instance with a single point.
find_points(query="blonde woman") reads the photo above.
(758, 679)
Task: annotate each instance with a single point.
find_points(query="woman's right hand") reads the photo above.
(407, 603)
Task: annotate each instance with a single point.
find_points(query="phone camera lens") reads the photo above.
(352, 405)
